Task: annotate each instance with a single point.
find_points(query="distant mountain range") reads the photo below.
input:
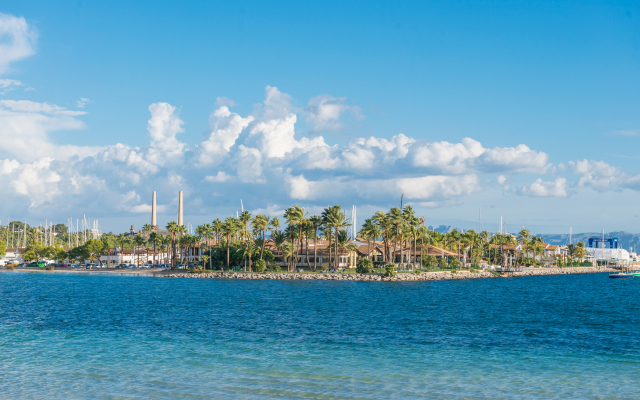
(626, 239)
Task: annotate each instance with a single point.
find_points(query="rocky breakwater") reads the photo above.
(559, 271)
(424, 276)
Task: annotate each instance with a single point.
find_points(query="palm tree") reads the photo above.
(289, 252)
(245, 217)
(122, 239)
(205, 230)
(327, 234)
(408, 214)
(217, 228)
(296, 216)
(247, 249)
(343, 243)
(165, 244)
(315, 222)
(260, 224)
(173, 229)
(181, 230)
(229, 228)
(138, 241)
(367, 232)
(523, 237)
(153, 239)
(397, 219)
(384, 224)
(275, 224)
(147, 228)
(335, 218)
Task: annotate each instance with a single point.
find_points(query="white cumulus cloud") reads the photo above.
(540, 188)
(17, 40)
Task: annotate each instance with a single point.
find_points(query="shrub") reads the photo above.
(259, 266)
(363, 266)
(11, 267)
(429, 261)
(442, 262)
(390, 270)
(454, 262)
(191, 270)
(275, 268)
(49, 267)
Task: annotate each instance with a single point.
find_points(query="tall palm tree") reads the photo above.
(367, 232)
(205, 230)
(343, 242)
(275, 224)
(165, 244)
(247, 249)
(327, 234)
(147, 228)
(335, 218)
(316, 223)
(138, 242)
(229, 228)
(523, 238)
(397, 219)
(260, 224)
(122, 239)
(153, 239)
(289, 252)
(173, 229)
(217, 228)
(296, 216)
(245, 217)
(410, 220)
(181, 230)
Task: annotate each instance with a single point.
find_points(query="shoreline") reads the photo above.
(404, 277)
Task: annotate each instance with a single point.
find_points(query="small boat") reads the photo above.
(620, 275)
(636, 274)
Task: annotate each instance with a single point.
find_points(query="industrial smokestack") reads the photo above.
(153, 210)
(180, 209)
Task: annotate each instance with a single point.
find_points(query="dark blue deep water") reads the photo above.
(122, 337)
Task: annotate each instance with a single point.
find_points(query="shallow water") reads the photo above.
(122, 337)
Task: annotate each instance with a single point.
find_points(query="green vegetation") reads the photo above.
(390, 270)
(364, 266)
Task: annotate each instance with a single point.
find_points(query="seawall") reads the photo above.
(424, 276)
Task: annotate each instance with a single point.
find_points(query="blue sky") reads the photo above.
(560, 79)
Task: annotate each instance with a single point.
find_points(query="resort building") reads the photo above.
(606, 249)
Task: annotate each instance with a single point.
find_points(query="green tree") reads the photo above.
(229, 229)
(259, 266)
(334, 218)
(397, 219)
(429, 261)
(138, 241)
(93, 249)
(316, 223)
(36, 252)
(173, 229)
(364, 266)
(260, 224)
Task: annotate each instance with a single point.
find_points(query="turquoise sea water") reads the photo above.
(123, 337)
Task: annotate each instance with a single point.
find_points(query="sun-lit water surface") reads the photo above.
(75, 336)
